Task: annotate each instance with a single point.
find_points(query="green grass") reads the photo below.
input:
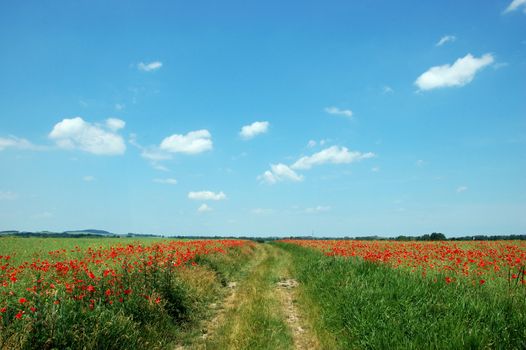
(362, 305)
(23, 249)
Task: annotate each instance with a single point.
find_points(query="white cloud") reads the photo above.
(75, 133)
(420, 163)
(8, 195)
(204, 208)
(514, 5)
(154, 154)
(149, 67)
(334, 110)
(88, 178)
(461, 189)
(445, 39)
(167, 181)
(192, 143)
(460, 73)
(318, 209)
(333, 155)
(159, 167)
(261, 211)
(375, 169)
(387, 89)
(206, 196)
(314, 143)
(249, 131)
(17, 143)
(115, 124)
(279, 172)
(120, 106)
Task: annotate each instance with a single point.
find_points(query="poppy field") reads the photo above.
(95, 293)
(413, 295)
(475, 262)
(125, 293)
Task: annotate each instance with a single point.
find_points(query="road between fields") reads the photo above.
(261, 311)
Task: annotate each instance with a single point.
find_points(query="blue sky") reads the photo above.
(264, 118)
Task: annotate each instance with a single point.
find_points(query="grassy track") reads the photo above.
(360, 305)
(256, 320)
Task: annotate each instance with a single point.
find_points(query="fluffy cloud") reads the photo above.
(460, 73)
(153, 154)
(115, 124)
(203, 208)
(88, 178)
(15, 142)
(168, 181)
(514, 5)
(149, 67)
(334, 110)
(279, 172)
(75, 133)
(192, 143)
(249, 131)
(333, 155)
(445, 39)
(206, 196)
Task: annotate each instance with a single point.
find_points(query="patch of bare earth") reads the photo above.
(209, 327)
(218, 319)
(303, 339)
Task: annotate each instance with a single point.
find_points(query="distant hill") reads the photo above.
(89, 232)
(66, 234)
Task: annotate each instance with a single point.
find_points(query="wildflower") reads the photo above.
(91, 288)
(481, 282)
(19, 315)
(22, 300)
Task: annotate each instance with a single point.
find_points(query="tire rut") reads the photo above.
(303, 339)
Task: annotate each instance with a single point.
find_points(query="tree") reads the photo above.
(436, 236)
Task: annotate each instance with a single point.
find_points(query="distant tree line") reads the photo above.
(435, 236)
